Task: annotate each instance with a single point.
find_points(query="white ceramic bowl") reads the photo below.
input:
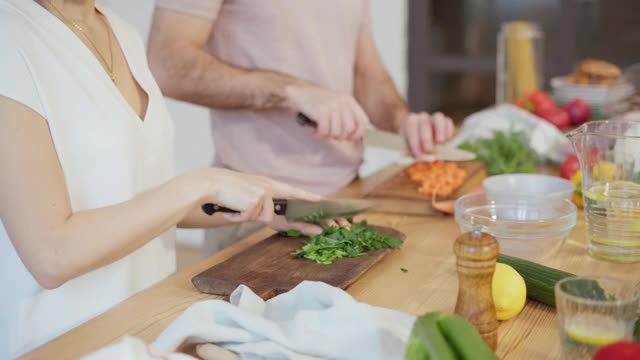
(551, 187)
(595, 95)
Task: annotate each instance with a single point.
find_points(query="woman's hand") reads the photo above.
(252, 196)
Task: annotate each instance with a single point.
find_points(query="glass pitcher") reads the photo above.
(609, 154)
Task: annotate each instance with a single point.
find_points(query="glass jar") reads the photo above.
(519, 60)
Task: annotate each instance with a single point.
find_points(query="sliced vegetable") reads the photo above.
(437, 177)
(438, 336)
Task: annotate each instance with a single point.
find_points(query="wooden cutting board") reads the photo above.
(269, 269)
(399, 194)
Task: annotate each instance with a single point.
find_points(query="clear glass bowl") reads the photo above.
(527, 226)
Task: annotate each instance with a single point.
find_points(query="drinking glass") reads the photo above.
(593, 312)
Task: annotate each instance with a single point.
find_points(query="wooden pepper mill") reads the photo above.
(476, 254)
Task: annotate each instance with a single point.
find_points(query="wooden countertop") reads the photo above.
(430, 284)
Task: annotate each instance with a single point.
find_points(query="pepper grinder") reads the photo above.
(476, 254)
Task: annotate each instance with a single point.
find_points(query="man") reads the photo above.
(257, 64)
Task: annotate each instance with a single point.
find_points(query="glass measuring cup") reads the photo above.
(609, 154)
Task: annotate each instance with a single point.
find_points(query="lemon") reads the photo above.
(509, 292)
(605, 171)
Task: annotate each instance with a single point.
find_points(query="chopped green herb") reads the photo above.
(339, 242)
(505, 153)
(314, 218)
(293, 233)
(404, 270)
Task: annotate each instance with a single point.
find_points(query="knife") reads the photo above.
(298, 210)
(384, 140)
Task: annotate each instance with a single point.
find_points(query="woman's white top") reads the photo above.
(108, 155)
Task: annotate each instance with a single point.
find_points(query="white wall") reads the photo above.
(194, 146)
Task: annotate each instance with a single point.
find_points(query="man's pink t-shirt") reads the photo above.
(314, 40)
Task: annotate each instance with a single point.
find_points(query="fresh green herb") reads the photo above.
(505, 153)
(293, 233)
(340, 242)
(314, 217)
(404, 270)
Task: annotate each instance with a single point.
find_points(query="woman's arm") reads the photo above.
(57, 245)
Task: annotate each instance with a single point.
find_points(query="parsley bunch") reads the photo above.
(505, 153)
(339, 242)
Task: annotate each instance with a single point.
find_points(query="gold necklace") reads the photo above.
(108, 65)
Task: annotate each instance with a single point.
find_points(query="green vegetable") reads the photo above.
(293, 233)
(438, 336)
(339, 242)
(404, 270)
(426, 342)
(540, 280)
(314, 218)
(464, 339)
(505, 153)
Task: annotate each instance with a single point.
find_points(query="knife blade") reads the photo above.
(299, 210)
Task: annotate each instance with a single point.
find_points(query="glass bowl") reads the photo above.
(531, 227)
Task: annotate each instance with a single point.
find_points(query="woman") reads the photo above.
(87, 202)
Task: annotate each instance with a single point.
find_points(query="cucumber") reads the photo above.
(540, 280)
(426, 341)
(465, 339)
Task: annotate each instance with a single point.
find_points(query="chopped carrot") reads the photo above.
(437, 177)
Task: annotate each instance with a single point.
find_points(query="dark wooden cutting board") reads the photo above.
(268, 268)
(399, 194)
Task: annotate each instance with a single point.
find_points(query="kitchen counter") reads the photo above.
(430, 284)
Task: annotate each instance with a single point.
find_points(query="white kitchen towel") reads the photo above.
(549, 142)
(312, 321)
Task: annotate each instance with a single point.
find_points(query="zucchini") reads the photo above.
(540, 280)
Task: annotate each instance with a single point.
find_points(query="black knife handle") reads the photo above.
(304, 120)
(279, 208)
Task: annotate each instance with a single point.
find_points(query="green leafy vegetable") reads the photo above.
(505, 153)
(404, 270)
(314, 218)
(293, 233)
(339, 242)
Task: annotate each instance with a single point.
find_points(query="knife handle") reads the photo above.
(304, 120)
(279, 208)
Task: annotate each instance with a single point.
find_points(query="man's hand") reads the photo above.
(422, 131)
(339, 116)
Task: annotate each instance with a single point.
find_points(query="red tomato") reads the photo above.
(579, 111)
(569, 167)
(541, 100)
(558, 117)
(621, 350)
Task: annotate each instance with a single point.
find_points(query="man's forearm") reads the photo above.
(377, 94)
(189, 73)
